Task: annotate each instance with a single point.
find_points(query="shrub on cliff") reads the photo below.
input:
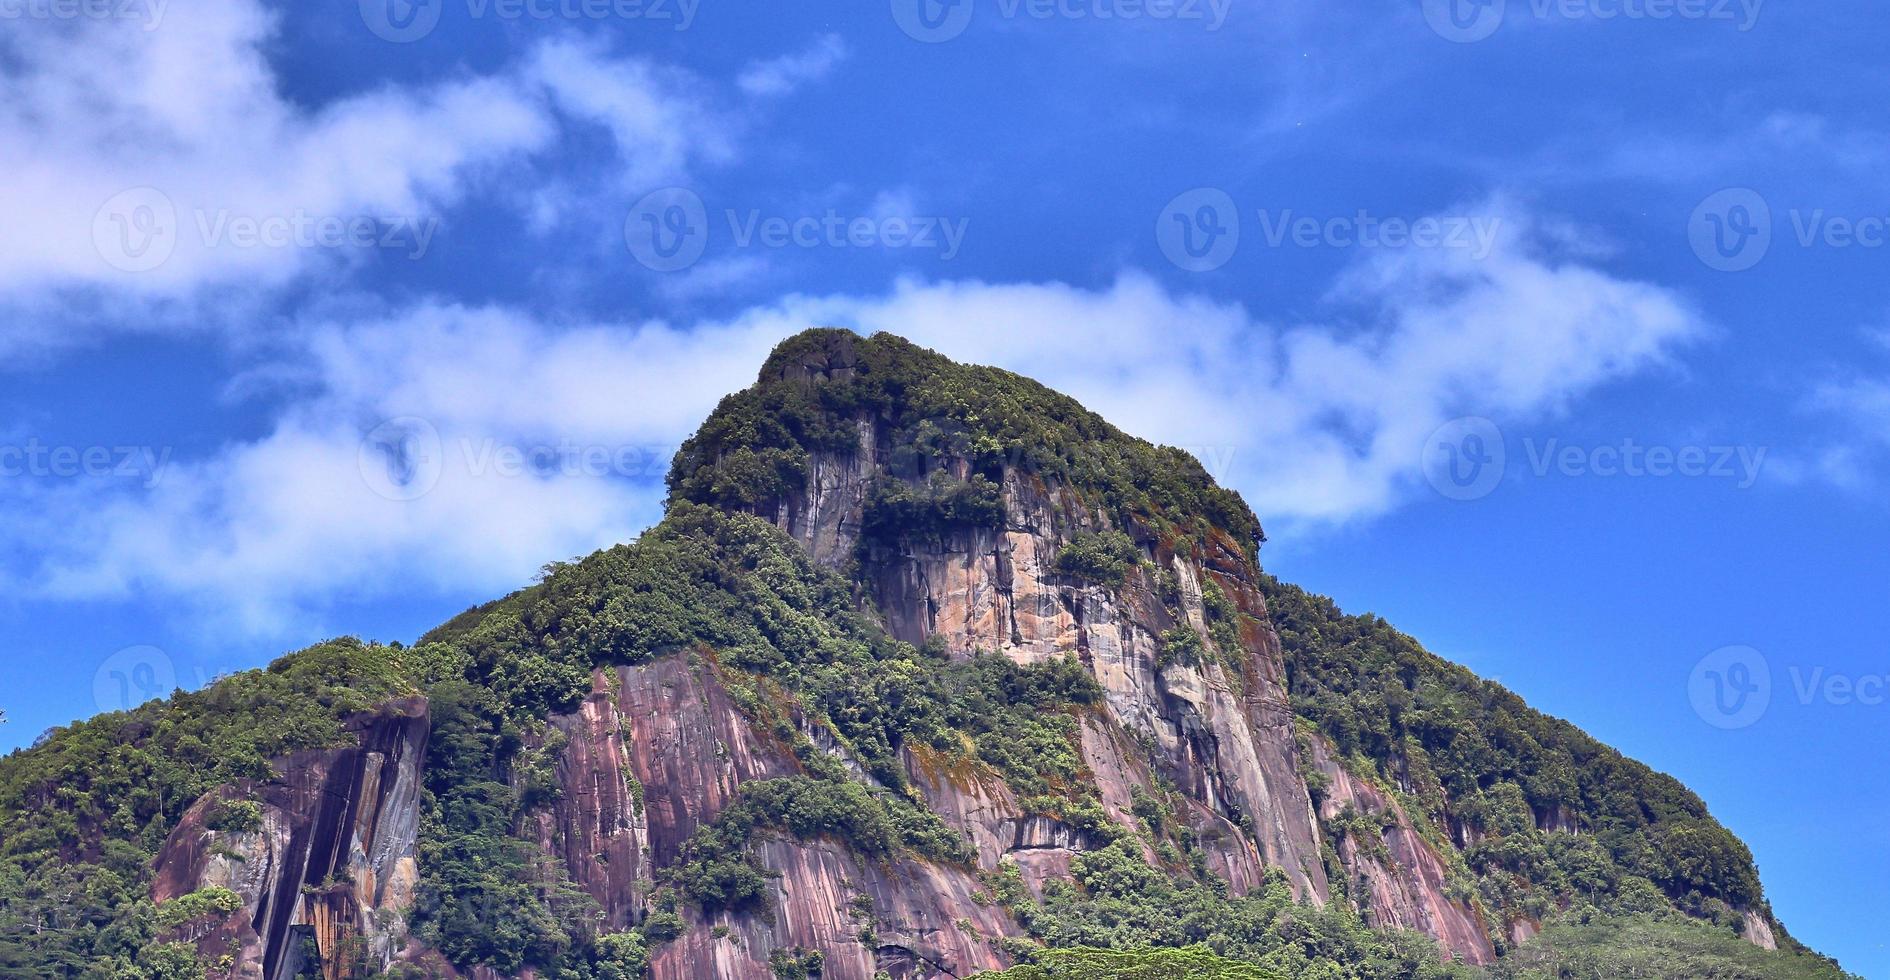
(1116, 901)
(1103, 557)
(896, 510)
(1592, 944)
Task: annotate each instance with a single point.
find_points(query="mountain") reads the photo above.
(927, 671)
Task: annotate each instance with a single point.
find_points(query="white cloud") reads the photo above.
(266, 533)
(1857, 400)
(780, 76)
(138, 162)
(1322, 422)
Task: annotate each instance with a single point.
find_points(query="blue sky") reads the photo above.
(1628, 255)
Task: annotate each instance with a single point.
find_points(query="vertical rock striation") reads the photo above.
(332, 861)
(1399, 874)
(1222, 729)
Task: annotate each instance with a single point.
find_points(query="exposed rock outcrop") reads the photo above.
(907, 919)
(331, 861)
(1224, 736)
(659, 749)
(1399, 874)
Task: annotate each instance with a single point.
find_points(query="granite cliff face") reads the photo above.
(691, 749)
(1399, 876)
(1226, 739)
(330, 864)
(659, 748)
(1221, 730)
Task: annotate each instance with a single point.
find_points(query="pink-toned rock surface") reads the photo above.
(1404, 876)
(906, 919)
(1227, 741)
(334, 858)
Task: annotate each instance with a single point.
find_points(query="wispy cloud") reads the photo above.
(780, 76)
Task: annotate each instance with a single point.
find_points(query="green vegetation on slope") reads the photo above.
(930, 411)
(83, 814)
(1116, 901)
(1653, 946)
(1150, 963)
(1468, 755)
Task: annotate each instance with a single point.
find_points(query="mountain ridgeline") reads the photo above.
(927, 672)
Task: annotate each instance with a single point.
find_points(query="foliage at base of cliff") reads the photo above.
(1653, 946)
(1115, 900)
(1147, 963)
